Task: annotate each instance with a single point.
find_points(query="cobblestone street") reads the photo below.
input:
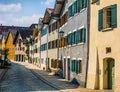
(20, 79)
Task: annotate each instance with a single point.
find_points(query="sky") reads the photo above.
(23, 12)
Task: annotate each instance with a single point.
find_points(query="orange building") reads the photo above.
(9, 45)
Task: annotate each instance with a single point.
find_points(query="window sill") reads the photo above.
(82, 10)
(107, 29)
(95, 1)
(82, 43)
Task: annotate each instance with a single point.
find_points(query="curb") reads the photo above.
(44, 80)
(3, 73)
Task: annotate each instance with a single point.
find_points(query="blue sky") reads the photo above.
(23, 12)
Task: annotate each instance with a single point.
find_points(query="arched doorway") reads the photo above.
(108, 73)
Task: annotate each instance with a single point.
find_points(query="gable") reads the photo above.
(9, 38)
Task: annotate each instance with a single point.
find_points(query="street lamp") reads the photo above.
(61, 33)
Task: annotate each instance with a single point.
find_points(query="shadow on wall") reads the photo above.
(74, 81)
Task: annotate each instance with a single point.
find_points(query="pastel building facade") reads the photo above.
(53, 45)
(43, 47)
(73, 51)
(103, 68)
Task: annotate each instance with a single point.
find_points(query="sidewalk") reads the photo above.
(58, 82)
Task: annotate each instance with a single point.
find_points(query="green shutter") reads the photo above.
(73, 9)
(76, 66)
(85, 3)
(71, 65)
(71, 34)
(114, 16)
(84, 35)
(68, 12)
(78, 5)
(100, 20)
(77, 36)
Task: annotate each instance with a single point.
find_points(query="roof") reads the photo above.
(47, 16)
(13, 32)
(58, 7)
(24, 34)
(33, 26)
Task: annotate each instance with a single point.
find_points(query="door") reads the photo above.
(64, 68)
(110, 73)
(68, 69)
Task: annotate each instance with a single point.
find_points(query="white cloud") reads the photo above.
(10, 7)
(9, 19)
(48, 2)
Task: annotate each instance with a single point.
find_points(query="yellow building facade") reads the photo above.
(10, 47)
(3, 43)
(3, 47)
(104, 56)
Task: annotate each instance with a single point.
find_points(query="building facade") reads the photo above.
(44, 46)
(103, 69)
(9, 46)
(53, 45)
(73, 51)
(20, 48)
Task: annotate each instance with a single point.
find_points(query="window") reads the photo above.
(68, 39)
(76, 7)
(43, 32)
(52, 63)
(82, 4)
(23, 48)
(107, 17)
(70, 11)
(74, 34)
(52, 44)
(63, 19)
(43, 47)
(50, 28)
(76, 66)
(48, 45)
(54, 26)
(80, 66)
(80, 35)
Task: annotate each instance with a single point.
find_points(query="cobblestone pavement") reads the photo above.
(20, 79)
(59, 82)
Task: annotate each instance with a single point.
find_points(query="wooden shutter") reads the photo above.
(114, 16)
(66, 16)
(78, 5)
(80, 66)
(85, 3)
(100, 20)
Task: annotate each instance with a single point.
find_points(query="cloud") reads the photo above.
(48, 2)
(10, 7)
(21, 21)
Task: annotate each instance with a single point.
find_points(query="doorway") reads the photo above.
(108, 76)
(65, 68)
(68, 68)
